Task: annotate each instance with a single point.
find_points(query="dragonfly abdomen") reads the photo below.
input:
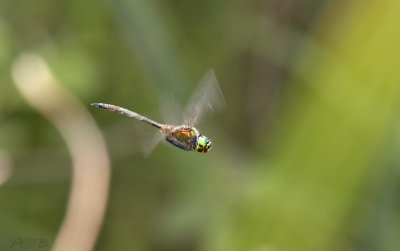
(127, 113)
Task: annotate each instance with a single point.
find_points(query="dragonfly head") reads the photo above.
(203, 144)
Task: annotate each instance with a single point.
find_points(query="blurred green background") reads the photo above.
(305, 156)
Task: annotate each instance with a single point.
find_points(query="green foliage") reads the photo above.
(305, 157)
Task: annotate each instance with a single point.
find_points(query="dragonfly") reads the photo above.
(206, 98)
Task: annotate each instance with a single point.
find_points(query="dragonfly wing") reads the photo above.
(127, 138)
(206, 97)
(171, 111)
(151, 143)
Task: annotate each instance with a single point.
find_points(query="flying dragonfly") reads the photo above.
(206, 97)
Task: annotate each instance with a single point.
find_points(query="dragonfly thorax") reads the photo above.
(186, 137)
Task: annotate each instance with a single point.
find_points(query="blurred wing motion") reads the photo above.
(151, 142)
(206, 97)
(171, 111)
(126, 138)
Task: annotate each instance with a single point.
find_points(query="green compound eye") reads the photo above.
(201, 142)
